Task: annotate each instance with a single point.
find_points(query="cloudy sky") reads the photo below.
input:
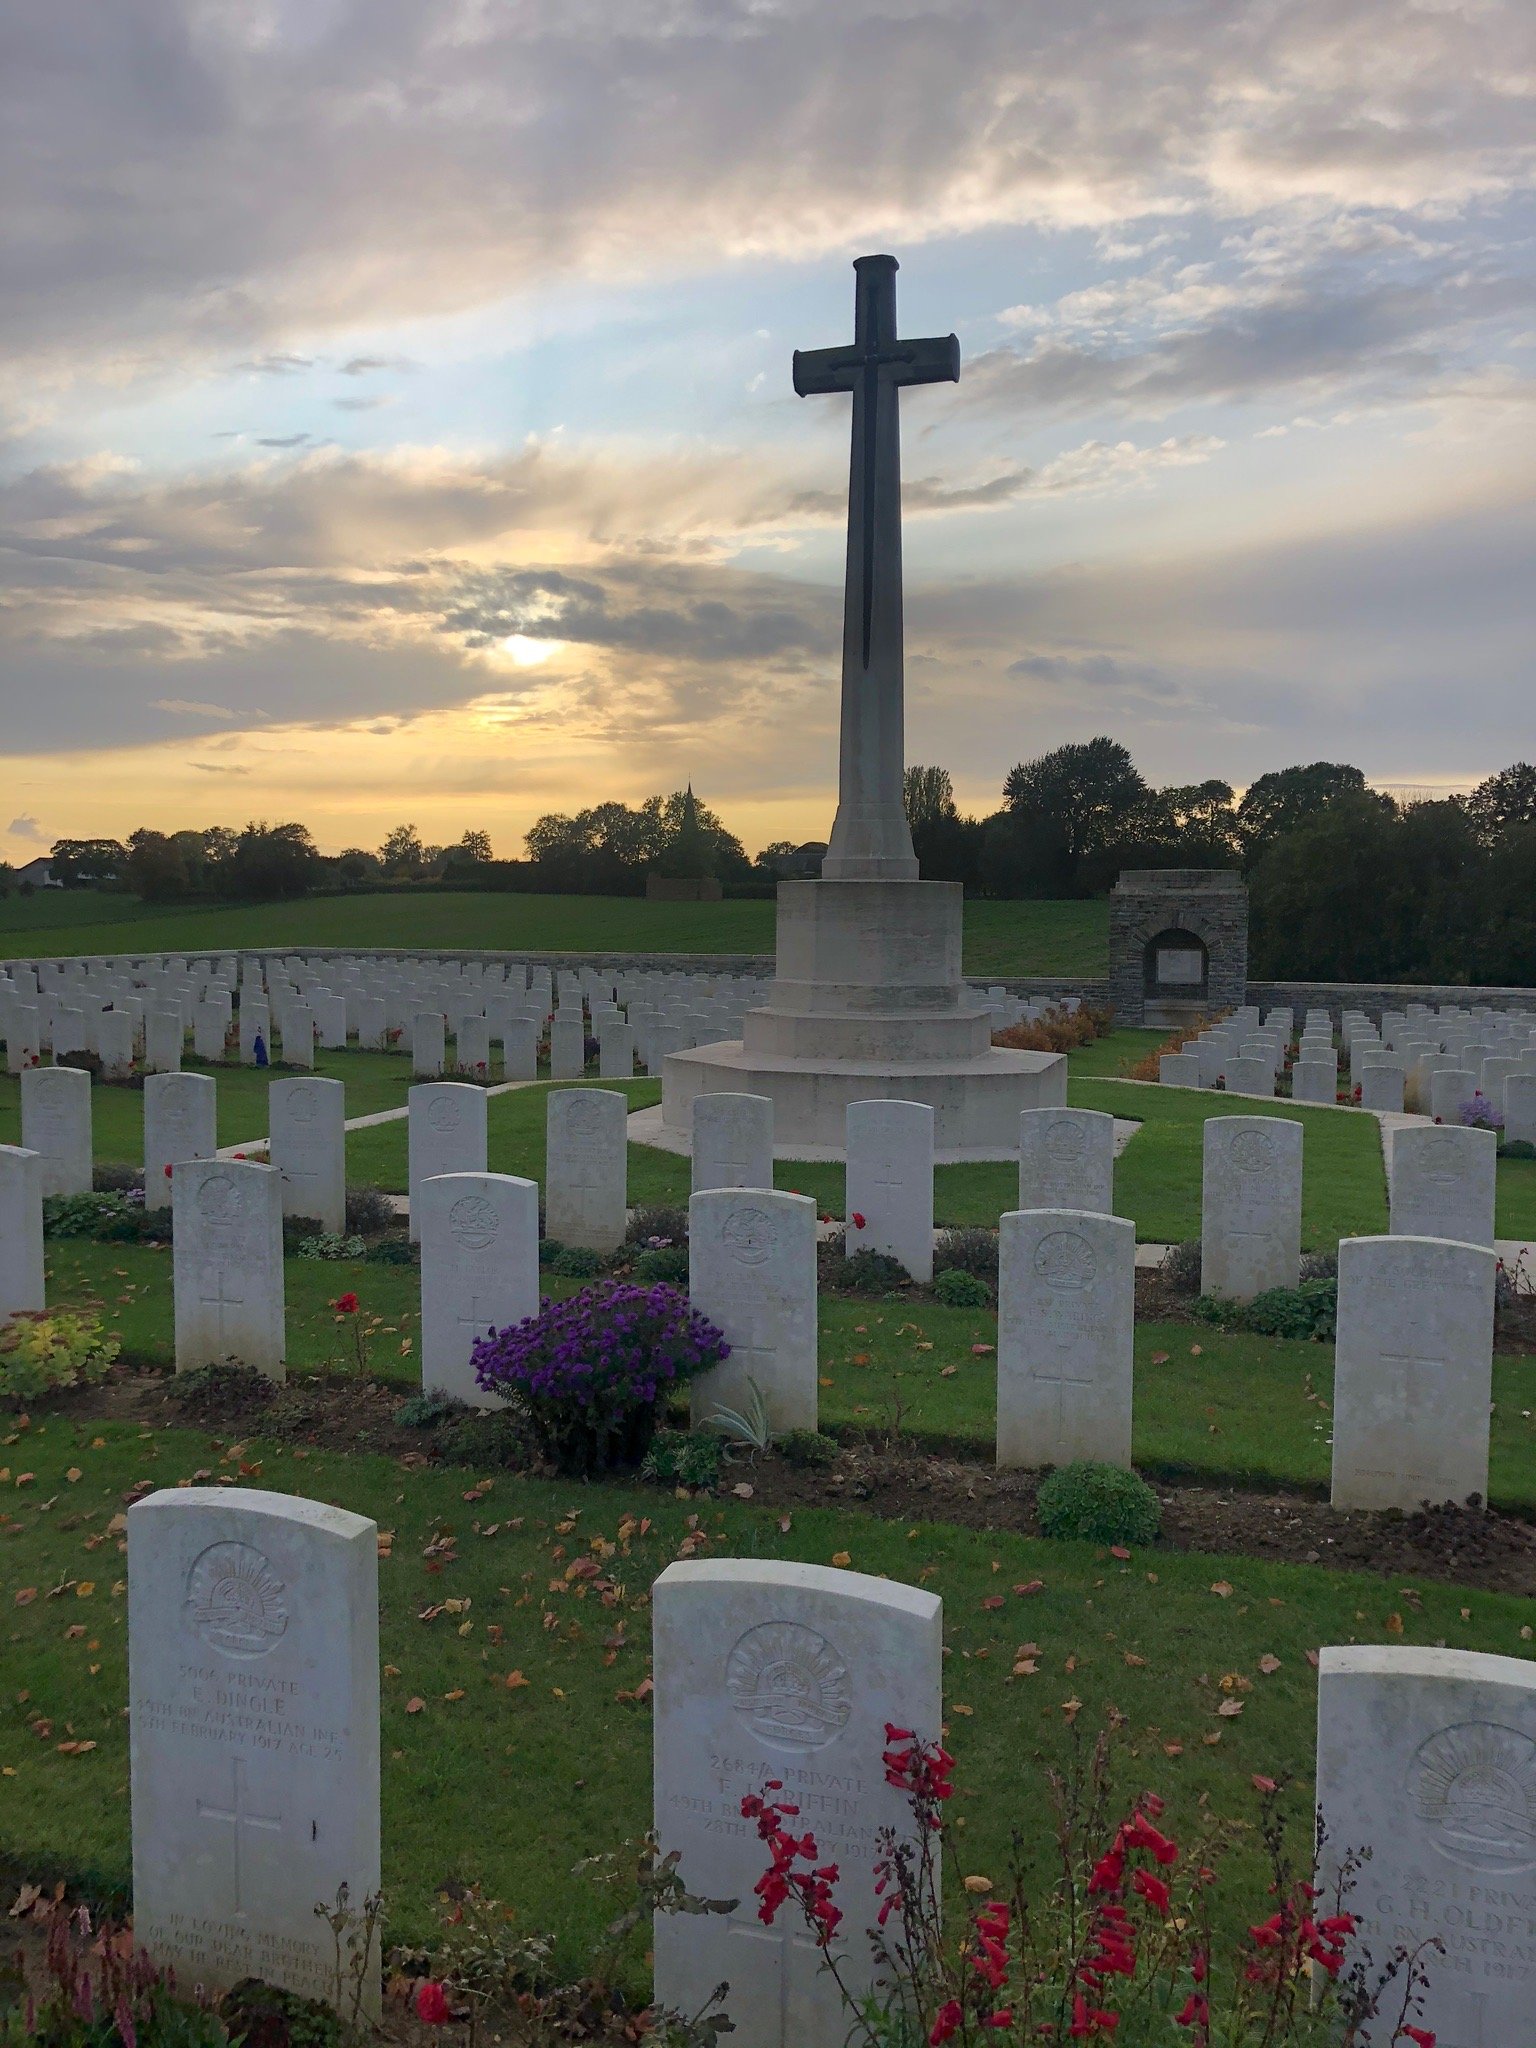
(396, 422)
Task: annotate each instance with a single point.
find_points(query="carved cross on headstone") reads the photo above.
(788, 1937)
(1060, 1381)
(871, 839)
(237, 1816)
(219, 1300)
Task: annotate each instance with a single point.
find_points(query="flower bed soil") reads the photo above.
(1459, 1546)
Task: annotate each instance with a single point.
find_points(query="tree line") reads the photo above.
(1345, 882)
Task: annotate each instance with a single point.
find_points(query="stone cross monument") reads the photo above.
(871, 840)
(869, 1001)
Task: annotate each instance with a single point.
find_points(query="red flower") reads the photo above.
(857, 1220)
(1152, 1889)
(1196, 2011)
(346, 1304)
(239, 1155)
(1421, 2037)
(432, 2003)
(947, 2023)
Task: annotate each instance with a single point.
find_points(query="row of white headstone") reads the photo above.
(1415, 1313)
(1436, 1064)
(254, 1696)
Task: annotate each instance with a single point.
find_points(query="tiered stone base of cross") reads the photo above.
(868, 1000)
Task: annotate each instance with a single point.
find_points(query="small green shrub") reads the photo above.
(971, 1250)
(550, 1248)
(956, 1287)
(255, 2011)
(664, 1263)
(870, 1272)
(1308, 1313)
(45, 1349)
(1517, 1148)
(370, 1211)
(811, 1449)
(329, 1246)
(1319, 1266)
(114, 1178)
(220, 1392)
(658, 1224)
(298, 1230)
(576, 1262)
(391, 1251)
(429, 1411)
(684, 1457)
(1098, 1504)
(487, 1438)
(105, 1218)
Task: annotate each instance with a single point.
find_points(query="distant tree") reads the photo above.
(154, 869)
(929, 796)
(948, 847)
(7, 878)
(273, 861)
(402, 852)
(686, 853)
(1203, 822)
(473, 846)
(1504, 800)
(689, 832)
(356, 864)
(773, 856)
(1287, 797)
(80, 863)
(1069, 814)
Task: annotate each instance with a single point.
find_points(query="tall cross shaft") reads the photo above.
(871, 840)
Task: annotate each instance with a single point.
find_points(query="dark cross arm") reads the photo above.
(935, 360)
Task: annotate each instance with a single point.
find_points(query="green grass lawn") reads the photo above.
(513, 1786)
(374, 1081)
(1068, 938)
(1209, 1404)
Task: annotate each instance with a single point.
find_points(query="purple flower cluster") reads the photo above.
(593, 1360)
(1482, 1114)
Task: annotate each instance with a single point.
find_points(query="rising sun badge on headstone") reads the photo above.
(789, 1684)
(1475, 1786)
(235, 1600)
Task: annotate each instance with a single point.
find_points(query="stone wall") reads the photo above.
(1210, 904)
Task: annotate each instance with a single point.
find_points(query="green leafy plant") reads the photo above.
(1517, 1148)
(576, 1262)
(684, 1457)
(369, 1211)
(429, 1411)
(811, 1449)
(870, 1272)
(104, 1217)
(391, 1251)
(747, 1425)
(1308, 1312)
(668, 1262)
(550, 1248)
(42, 1350)
(1180, 1267)
(957, 1288)
(658, 1223)
(1095, 1503)
(259, 2012)
(329, 1245)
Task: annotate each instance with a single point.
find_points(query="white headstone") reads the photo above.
(616, 1050)
(1250, 1074)
(23, 1037)
(1179, 1069)
(1442, 1182)
(255, 1022)
(227, 1268)
(1066, 1307)
(56, 1124)
(164, 1033)
(1520, 1109)
(446, 1132)
(372, 1022)
(889, 1182)
(1314, 1081)
(519, 1050)
(472, 1047)
(789, 1672)
(181, 1121)
(308, 1146)
(114, 1043)
(21, 1231)
(1381, 1087)
(479, 1271)
(586, 1167)
(1449, 1089)
(732, 1141)
(752, 1272)
(428, 1042)
(568, 1047)
(1413, 1372)
(253, 1670)
(1427, 1758)
(1067, 1160)
(1250, 1235)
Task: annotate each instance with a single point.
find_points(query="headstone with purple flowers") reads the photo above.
(752, 1270)
(479, 1272)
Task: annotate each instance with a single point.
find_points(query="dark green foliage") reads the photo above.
(1319, 1266)
(550, 1248)
(873, 1273)
(1519, 1148)
(1308, 1312)
(429, 1411)
(576, 1262)
(684, 1457)
(811, 1449)
(114, 1178)
(219, 1392)
(262, 2016)
(104, 1218)
(1098, 1504)
(657, 1220)
(296, 1229)
(957, 1288)
(392, 1251)
(369, 1211)
(489, 1437)
(971, 1250)
(670, 1263)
